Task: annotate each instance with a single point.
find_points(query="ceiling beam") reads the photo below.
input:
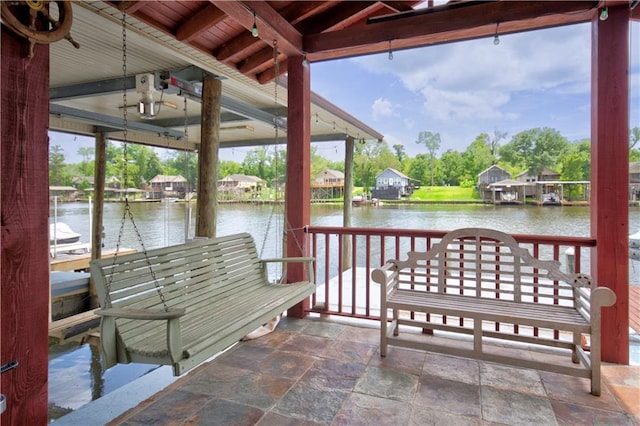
(271, 26)
(448, 19)
(111, 122)
(200, 22)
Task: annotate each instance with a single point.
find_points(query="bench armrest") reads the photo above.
(307, 260)
(601, 297)
(387, 277)
(142, 314)
(172, 316)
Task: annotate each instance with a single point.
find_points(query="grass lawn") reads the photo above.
(445, 193)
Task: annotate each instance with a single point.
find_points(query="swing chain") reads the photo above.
(127, 207)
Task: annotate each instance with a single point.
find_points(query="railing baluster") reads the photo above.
(400, 238)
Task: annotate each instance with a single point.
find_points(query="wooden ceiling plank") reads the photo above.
(298, 11)
(256, 61)
(128, 6)
(198, 23)
(236, 47)
(338, 17)
(441, 21)
(270, 74)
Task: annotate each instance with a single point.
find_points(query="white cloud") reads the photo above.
(478, 79)
(382, 108)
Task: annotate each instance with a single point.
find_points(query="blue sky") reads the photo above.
(533, 79)
(529, 80)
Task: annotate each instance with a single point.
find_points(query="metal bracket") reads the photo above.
(8, 366)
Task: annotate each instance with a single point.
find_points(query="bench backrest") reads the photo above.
(486, 263)
(182, 275)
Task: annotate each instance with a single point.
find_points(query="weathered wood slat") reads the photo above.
(481, 283)
(217, 291)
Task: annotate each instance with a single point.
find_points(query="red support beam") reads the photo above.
(24, 232)
(298, 193)
(610, 174)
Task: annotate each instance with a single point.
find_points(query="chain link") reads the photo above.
(125, 176)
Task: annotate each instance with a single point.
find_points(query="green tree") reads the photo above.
(432, 142)
(182, 163)
(318, 163)
(147, 161)
(475, 159)
(56, 166)
(535, 149)
(226, 168)
(371, 158)
(452, 167)
(86, 166)
(418, 168)
(256, 163)
(401, 155)
(493, 141)
(86, 153)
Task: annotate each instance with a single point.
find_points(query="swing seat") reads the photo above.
(216, 291)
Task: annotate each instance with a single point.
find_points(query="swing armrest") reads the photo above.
(142, 314)
(308, 260)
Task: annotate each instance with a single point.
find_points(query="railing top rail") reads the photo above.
(421, 233)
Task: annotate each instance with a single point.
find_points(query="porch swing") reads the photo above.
(182, 304)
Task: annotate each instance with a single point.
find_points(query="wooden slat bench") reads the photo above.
(215, 292)
(480, 282)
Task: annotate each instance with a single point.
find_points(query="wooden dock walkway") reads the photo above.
(76, 325)
(80, 262)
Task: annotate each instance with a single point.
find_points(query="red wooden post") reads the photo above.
(610, 173)
(298, 196)
(24, 232)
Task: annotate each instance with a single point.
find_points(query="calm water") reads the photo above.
(75, 376)
(162, 224)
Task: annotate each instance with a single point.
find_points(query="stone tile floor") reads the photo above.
(321, 372)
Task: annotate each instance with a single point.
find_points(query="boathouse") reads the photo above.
(491, 175)
(163, 186)
(328, 184)
(237, 185)
(392, 185)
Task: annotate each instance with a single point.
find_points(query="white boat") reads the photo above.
(61, 233)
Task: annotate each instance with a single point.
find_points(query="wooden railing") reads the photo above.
(345, 258)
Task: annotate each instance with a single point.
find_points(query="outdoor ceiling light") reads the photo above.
(254, 29)
(604, 13)
(390, 52)
(496, 39)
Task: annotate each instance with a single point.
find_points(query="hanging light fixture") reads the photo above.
(604, 13)
(305, 63)
(496, 39)
(254, 29)
(390, 52)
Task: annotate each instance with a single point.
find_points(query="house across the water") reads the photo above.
(392, 185)
(328, 184)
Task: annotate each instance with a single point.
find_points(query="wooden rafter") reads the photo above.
(324, 30)
(201, 21)
(465, 17)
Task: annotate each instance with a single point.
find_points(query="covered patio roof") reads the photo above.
(87, 84)
(178, 43)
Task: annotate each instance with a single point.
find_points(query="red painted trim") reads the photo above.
(24, 203)
(610, 174)
(298, 194)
